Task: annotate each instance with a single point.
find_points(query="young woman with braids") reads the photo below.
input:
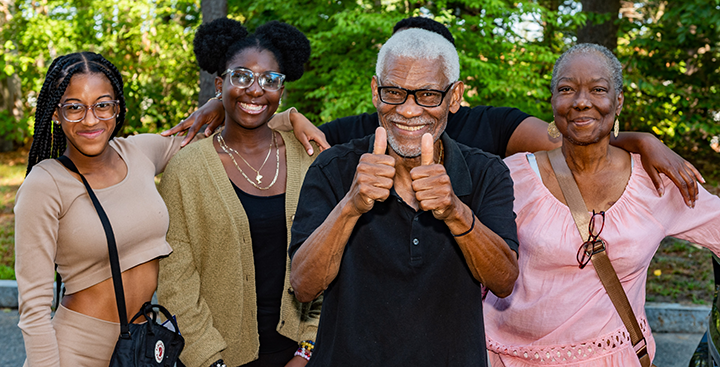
(228, 277)
(80, 110)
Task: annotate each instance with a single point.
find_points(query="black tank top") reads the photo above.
(268, 231)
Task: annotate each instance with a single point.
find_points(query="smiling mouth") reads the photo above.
(91, 134)
(410, 128)
(253, 108)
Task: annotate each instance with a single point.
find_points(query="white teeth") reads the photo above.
(252, 107)
(409, 128)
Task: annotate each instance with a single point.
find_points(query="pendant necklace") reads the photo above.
(259, 177)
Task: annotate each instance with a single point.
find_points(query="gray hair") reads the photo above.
(415, 43)
(613, 65)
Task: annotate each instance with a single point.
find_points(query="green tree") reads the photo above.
(149, 41)
(671, 54)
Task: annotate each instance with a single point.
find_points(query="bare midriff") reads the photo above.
(98, 301)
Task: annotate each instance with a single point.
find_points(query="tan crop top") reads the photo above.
(56, 223)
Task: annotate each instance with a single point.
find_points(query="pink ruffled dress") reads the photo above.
(559, 314)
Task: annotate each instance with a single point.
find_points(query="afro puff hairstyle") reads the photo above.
(426, 24)
(217, 42)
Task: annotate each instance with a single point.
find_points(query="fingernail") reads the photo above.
(661, 191)
(310, 151)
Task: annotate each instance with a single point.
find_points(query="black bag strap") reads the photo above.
(112, 250)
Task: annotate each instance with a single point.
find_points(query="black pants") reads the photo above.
(277, 359)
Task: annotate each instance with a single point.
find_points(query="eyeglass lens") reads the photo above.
(269, 81)
(423, 97)
(597, 223)
(75, 112)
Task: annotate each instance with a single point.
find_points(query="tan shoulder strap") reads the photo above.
(600, 260)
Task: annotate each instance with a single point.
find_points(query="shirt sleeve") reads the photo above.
(485, 127)
(37, 212)
(281, 121)
(318, 197)
(494, 208)
(179, 281)
(342, 130)
(700, 225)
(159, 149)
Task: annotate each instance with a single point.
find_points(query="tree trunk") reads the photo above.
(549, 25)
(603, 33)
(211, 10)
(10, 93)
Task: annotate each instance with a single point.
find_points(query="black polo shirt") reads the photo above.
(404, 295)
(484, 127)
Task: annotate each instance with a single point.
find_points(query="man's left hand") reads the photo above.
(432, 186)
(297, 361)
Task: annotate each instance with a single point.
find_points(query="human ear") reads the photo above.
(218, 84)
(621, 101)
(457, 94)
(375, 96)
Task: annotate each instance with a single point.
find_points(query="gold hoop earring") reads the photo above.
(616, 127)
(553, 131)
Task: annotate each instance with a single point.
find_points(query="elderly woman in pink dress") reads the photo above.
(559, 314)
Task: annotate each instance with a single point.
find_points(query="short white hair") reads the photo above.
(415, 43)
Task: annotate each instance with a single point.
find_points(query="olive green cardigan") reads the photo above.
(209, 279)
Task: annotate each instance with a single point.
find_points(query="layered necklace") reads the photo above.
(258, 176)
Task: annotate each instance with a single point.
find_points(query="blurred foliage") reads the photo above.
(671, 54)
(670, 51)
(149, 41)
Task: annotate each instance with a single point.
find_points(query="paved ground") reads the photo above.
(674, 350)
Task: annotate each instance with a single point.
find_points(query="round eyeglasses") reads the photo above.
(76, 112)
(269, 81)
(423, 97)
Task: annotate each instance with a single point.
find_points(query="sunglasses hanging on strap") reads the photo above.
(139, 345)
(594, 250)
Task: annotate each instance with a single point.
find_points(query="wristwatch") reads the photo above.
(219, 363)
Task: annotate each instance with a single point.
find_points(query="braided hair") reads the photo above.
(49, 139)
(217, 42)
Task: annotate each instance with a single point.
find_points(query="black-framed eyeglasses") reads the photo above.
(269, 81)
(423, 97)
(76, 112)
(594, 243)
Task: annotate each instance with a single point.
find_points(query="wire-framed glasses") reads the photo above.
(76, 112)
(423, 97)
(269, 81)
(594, 243)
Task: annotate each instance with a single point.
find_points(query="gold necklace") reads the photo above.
(229, 152)
(258, 176)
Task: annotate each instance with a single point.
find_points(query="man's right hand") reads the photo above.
(373, 177)
(211, 113)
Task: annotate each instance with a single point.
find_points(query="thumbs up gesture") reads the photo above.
(431, 183)
(373, 176)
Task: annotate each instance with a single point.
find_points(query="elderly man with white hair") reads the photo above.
(401, 229)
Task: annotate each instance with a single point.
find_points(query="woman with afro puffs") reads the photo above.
(231, 200)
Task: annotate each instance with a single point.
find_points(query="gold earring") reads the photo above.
(616, 127)
(552, 130)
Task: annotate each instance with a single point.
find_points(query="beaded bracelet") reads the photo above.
(306, 349)
(469, 230)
